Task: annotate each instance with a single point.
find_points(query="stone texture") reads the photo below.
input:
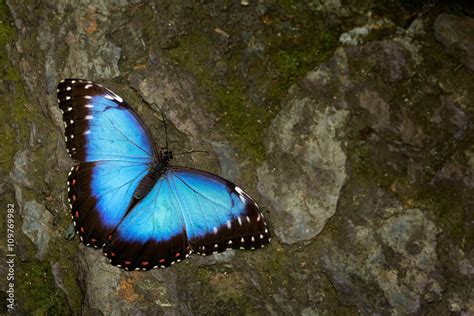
(37, 225)
(303, 177)
(171, 91)
(455, 32)
(395, 251)
(361, 157)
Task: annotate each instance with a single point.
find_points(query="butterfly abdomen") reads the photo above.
(149, 181)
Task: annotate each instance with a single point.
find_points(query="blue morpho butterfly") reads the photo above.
(126, 197)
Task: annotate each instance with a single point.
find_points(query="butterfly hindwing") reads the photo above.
(152, 235)
(99, 194)
(218, 214)
(187, 210)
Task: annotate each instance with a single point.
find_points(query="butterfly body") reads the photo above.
(158, 168)
(126, 197)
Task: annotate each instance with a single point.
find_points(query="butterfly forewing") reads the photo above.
(99, 125)
(113, 151)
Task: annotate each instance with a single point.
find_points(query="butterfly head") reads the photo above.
(166, 155)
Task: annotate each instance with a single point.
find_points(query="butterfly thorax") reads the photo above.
(157, 169)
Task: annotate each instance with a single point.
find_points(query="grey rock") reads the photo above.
(410, 236)
(37, 225)
(358, 35)
(455, 304)
(354, 37)
(70, 232)
(227, 160)
(309, 312)
(304, 135)
(19, 176)
(303, 145)
(330, 6)
(100, 282)
(112, 291)
(455, 32)
(222, 257)
(378, 108)
(91, 54)
(168, 89)
(416, 27)
(387, 58)
(58, 274)
(456, 172)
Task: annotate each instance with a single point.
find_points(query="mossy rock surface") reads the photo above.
(350, 123)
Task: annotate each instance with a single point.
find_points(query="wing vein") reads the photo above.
(132, 142)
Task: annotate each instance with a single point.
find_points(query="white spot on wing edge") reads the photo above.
(239, 190)
(242, 194)
(88, 117)
(113, 96)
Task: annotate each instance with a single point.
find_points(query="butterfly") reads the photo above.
(126, 197)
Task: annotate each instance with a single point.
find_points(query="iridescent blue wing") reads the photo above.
(99, 194)
(187, 211)
(113, 150)
(153, 234)
(100, 125)
(218, 214)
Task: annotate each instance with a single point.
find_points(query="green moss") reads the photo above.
(36, 291)
(7, 35)
(13, 113)
(229, 74)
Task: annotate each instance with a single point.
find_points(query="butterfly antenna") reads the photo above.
(166, 129)
(190, 152)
